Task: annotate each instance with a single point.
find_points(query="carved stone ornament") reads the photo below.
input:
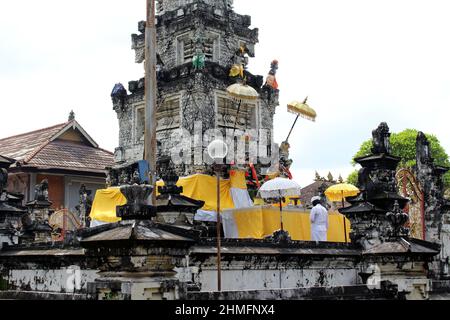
(381, 143)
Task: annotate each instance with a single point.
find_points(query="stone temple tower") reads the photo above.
(199, 42)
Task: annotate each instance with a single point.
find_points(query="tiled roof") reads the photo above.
(72, 155)
(41, 149)
(313, 190)
(24, 145)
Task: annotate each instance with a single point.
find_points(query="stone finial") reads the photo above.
(119, 91)
(317, 177)
(71, 116)
(330, 177)
(381, 142)
(118, 96)
(41, 191)
(423, 149)
(136, 207)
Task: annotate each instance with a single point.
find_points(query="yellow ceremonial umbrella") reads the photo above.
(241, 92)
(301, 109)
(341, 191)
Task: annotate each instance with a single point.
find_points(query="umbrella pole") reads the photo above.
(293, 126)
(345, 221)
(237, 116)
(281, 212)
(345, 229)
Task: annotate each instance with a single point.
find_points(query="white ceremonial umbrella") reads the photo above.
(278, 189)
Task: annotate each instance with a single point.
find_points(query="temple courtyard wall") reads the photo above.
(71, 274)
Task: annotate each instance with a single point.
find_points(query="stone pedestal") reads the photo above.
(375, 211)
(36, 228)
(138, 261)
(133, 287)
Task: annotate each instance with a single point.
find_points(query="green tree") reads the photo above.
(404, 146)
(353, 178)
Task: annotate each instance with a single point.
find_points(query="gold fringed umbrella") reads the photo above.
(241, 92)
(341, 191)
(301, 110)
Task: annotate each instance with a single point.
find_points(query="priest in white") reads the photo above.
(319, 221)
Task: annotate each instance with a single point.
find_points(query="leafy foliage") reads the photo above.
(404, 146)
(353, 178)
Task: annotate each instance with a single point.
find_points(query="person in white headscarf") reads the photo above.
(319, 221)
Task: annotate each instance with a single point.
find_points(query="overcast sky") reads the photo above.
(360, 62)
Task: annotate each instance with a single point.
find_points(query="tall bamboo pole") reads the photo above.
(150, 92)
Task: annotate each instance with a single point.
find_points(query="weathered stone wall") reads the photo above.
(445, 239)
(180, 24)
(170, 5)
(437, 213)
(50, 271)
(327, 273)
(227, 30)
(69, 273)
(65, 280)
(198, 98)
(409, 276)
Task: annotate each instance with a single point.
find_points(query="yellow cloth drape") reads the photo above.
(260, 222)
(237, 179)
(198, 187)
(203, 187)
(105, 203)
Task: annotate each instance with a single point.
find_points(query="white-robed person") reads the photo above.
(319, 221)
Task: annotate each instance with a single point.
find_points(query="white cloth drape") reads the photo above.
(229, 225)
(96, 223)
(241, 199)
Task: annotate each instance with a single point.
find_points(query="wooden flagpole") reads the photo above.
(150, 92)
